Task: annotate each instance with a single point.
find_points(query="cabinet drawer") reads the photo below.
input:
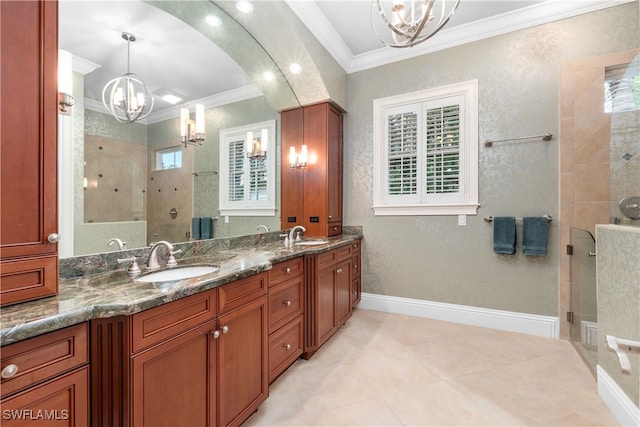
(286, 302)
(334, 229)
(286, 270)
(240, 292)
(63, 401)
(327, 259)
(285, 346)
(159, 323)
(29, 279)
(45, 356)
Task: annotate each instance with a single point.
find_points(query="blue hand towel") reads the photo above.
(504, 235)
(534, 235)
(206, 228)
(195, 228)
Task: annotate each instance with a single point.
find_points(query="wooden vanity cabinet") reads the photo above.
(200, 360)
(356, 274)
(28, 150)
(328, 296)
(51, 381)
(286, 308)
(312, 196)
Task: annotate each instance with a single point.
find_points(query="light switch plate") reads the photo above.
(462, 220)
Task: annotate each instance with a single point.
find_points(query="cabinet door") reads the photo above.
(63, 401)
(334, 176)
(174, 383)
(325, 304)
(343, 291)
(28, 148)
(243, 362)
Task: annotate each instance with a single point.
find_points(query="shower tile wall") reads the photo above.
(584, 157)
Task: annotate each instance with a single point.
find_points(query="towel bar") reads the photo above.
(490, 218)
(545, 137)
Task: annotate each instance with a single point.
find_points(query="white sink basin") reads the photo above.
(311, 242)
(178, 273)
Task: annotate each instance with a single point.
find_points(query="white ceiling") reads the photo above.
(169, 54)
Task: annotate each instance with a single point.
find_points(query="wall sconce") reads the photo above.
(192, 131)
(65, 83)
(257, 147)
(298, 160)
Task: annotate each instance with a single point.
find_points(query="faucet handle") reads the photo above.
(133, 269)
(171, 262)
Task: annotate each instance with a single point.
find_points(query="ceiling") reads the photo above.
(171, 55)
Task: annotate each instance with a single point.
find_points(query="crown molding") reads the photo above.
(82, 66)
(542, 13)
(316, 21)
(223, 98)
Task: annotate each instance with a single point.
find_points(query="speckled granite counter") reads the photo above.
(108, 294)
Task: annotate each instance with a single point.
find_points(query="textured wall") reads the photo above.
(619, 300)
(432, 258)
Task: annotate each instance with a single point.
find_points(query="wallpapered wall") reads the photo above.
(432, 258)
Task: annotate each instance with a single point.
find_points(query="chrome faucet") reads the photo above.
(266, 229)
(152, 262)
(121, 245)
(291, 234)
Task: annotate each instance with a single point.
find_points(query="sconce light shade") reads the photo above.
(192, 132)
(65, 82)
(127, 98)
(257, 146)
(298, 160)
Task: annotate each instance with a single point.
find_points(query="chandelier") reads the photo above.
(413, 21)
(127, 97)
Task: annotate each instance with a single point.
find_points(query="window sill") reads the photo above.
(405, 210)
(248, 212)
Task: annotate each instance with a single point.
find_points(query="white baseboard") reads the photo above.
(625, 411)
(589, 333)
(532, 324)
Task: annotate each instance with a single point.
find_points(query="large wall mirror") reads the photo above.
(136, 181)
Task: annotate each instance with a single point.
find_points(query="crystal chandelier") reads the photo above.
(127, 97)
(412, 21)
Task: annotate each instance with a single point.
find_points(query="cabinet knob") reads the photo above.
(287, 303)
(355, 266)
(288, 270)
(225, 329)
(216, 334)
(339, 270)
(335, 228)
(53, 238)
(330, 216)
(9, 371)
(287, 346)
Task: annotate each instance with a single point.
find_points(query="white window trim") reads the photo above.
(468, 205)
(248, 208)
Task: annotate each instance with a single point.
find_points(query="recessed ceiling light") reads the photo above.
(295, 68)
(169, 96)
(213, 20)
(268, 76)
(244, 6)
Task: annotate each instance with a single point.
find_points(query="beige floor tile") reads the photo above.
(436, 404)
(390, 369)
(373, 412)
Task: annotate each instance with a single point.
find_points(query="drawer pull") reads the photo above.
(287, 346)
(339, 270)
(335, 228)
(288, 270)
(225, 329)
(287, 303)
(9, 371)
(216, 334)
(53, 238)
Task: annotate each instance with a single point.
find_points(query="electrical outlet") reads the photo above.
(462, 220)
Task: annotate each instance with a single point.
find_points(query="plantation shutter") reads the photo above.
(236, 170)
(258, 179)
(402, 153)
(442, 149)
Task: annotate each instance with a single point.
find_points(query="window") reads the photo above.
(169, 159)
(426, 152)
(247, 186)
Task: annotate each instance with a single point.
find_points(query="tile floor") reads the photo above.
(385, 369)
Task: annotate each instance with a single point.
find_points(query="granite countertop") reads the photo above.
(115, 293)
